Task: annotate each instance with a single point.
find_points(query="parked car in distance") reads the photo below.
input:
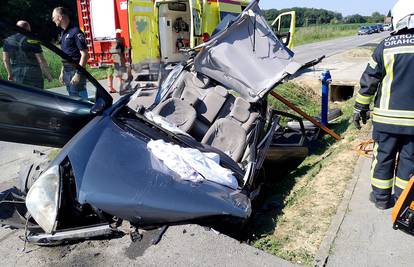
(364, 30)
(380, 27)
(387, 27)
(375, 29)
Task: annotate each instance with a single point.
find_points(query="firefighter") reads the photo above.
(73, 43)
(388, 83)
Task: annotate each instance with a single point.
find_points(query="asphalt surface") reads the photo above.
(181, 245)
(308, 52)
(12, 155)
(366, 236)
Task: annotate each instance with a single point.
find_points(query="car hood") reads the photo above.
(246, 56)
(115, 172)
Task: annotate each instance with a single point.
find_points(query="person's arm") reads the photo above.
(7, 65)
(61, 80)
(81, 44)
(370, 81)
(83, 60)
(43, 65)
(371, 78)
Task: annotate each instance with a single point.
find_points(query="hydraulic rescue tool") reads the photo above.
(403, 211)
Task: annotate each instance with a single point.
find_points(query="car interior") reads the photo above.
(210, 113)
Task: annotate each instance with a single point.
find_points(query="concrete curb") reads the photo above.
(322, 255)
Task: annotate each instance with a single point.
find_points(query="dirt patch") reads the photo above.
(346, 69)
(361, 52)
(312, 85)
(314, 199)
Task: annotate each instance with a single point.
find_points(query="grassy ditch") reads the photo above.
(312, 34)
(303, 204)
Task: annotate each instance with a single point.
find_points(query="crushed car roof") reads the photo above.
(246, 56)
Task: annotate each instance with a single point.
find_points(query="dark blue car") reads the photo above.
(213, 105)
(364, 30)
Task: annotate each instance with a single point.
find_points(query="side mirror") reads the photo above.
(98, 107)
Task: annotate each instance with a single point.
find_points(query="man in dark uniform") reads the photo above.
(73, 43)
(388, 82)
(24, 60)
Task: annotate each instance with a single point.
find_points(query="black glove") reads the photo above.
(358, 116)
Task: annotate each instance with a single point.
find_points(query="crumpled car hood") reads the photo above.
(246, 56)
(115, 172)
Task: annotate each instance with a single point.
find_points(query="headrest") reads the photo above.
(198, 80)
(221, 90)
(240, 110)
(189, 96)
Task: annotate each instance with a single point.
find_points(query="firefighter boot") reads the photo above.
(381, 204)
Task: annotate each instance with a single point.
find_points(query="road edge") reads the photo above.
(324, 250)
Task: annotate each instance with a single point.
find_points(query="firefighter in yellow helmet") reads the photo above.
(388, 82)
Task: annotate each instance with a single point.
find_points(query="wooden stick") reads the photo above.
(306, 116)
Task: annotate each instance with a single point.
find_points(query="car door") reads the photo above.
(35, 108)
(196, 30)
(262, 145)
(143, 32)
(284, 26)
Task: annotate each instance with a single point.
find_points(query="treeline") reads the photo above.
(311, 16)
(37, 12)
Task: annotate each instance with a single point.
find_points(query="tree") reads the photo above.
(306, 16)
(355, 19)
(377, 17)
(37, 13)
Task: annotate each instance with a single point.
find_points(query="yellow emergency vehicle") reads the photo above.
(160, 31)
(184, 24)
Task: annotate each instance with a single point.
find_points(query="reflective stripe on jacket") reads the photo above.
(389, 81)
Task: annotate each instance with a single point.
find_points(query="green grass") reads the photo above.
(312, 34)
(304, 98)
(285, 192)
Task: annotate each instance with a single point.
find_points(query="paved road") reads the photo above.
(305, 53)
(366, 236)
(12, 155)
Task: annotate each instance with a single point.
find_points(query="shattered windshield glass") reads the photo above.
(172, 76)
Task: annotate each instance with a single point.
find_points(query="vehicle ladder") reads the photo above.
(87, 29)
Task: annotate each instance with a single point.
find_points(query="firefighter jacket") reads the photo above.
(389, 81)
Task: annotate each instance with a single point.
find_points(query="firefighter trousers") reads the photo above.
(393, 164)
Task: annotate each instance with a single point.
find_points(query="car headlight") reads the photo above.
(43, 199)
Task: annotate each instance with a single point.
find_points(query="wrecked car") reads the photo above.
(194, 155)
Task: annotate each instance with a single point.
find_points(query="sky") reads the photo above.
(346, 7)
